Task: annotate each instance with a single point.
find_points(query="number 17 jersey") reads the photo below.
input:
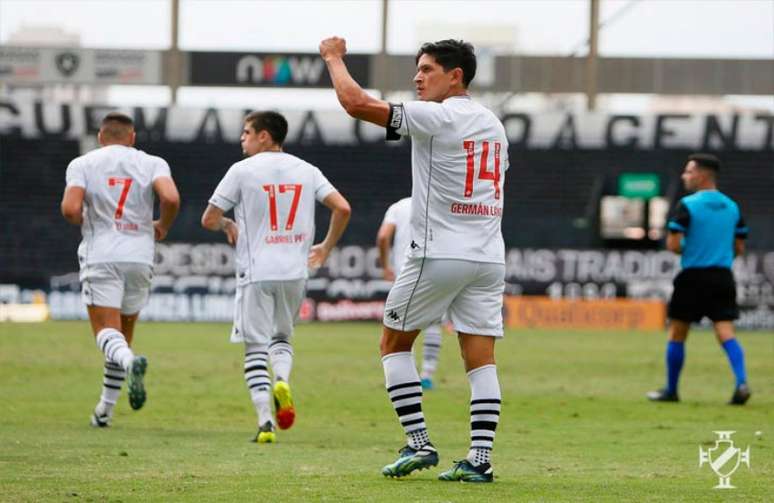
(273, 195)
(459, 155)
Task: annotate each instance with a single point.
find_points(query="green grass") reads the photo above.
(575, 424)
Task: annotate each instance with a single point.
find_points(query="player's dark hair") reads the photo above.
(706, 161)
(272, 122)
(116, 125)
(451, 54)
(118, 117)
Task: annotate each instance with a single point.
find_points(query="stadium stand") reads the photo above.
(551, 195)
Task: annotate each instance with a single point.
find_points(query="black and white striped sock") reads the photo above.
(405, 391)
(258, 381)
(112, 379)
(484, 412)
(431, 347)
(113, 345)
(281, 359)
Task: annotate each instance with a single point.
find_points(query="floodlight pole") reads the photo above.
(174, 68)
(591, 59)
(381, 60)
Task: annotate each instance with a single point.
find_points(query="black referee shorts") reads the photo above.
(709, 292)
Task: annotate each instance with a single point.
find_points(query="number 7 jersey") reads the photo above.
(118, 203)
(459, 155)
(273, 195)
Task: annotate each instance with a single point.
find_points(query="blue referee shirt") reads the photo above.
(710, 221)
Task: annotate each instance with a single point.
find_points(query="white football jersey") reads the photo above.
(459, 155)
(399, 215)
(273, 195)
(118, 203)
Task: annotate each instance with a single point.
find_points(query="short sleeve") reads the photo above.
(741, 230)
(322, 187)
(75, 176)
(506, 160)
(161, 169)
(391, 217)
(419, 118)
(227, 194)
(680, 218)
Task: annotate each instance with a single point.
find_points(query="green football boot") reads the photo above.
(410, 459)
(463, 471)
(134, 381)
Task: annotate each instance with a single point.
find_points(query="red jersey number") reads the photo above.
(127, 184)
(283, 188)
(483, 172)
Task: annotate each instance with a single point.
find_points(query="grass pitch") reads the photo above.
(575, 423)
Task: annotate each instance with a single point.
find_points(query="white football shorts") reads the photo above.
(120, 285)
(266, 309)
(470, 293)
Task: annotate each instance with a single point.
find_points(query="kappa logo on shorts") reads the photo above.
(393, 315)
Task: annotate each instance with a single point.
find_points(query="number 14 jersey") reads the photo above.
(459, 155)
(273, 195)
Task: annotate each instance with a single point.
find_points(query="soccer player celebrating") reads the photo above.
(456, 260)
(708, 230)
(109, 194)
(395, 230)
(273, 195)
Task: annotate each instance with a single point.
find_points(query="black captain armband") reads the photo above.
(394, 121)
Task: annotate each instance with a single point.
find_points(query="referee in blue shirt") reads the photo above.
(708, 230)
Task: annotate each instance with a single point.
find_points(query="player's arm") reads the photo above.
(739, 247)
(72, 204)
(677, 226)
(340, 213)
(740, 235)
(213, 220)
(674, 242)
(169, 205)
(384, 242)
(357, 103)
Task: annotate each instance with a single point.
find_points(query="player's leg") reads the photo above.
(431, 347)
(128, 322)
(418, 298)
(114, 374)
(112, 292)
(258, 382)
(674, 359)
(402, 382)
(485, 403)
(112, 379)
(722, 311)
(253, 325)
(288, 298)
(724, 331)
(106, 325)
(137, 284)
(684, 307)
(102, 290)
(477, 316)
(405, 392)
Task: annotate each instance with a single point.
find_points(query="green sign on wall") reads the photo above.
(644, 185)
